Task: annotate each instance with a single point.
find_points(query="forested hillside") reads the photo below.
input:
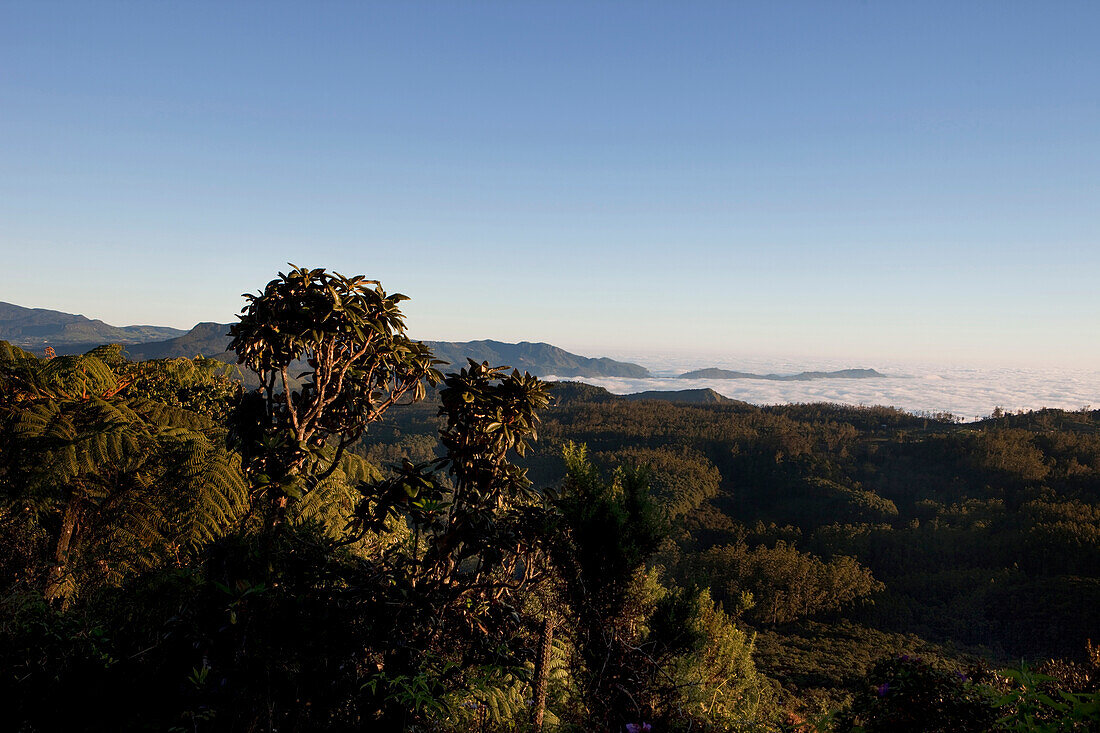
(376, 541)
(842, 534)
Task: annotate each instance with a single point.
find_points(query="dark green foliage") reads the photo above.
(203, 386)
(185, 609)
(909, 695)
(680, 480)
(780, 584)
(178, 553)
(204, 647)
(109, 484)
(822, 664)
(1050, 703)
(349, 339)
(476, 535)
(608, 532)
(644, 652)
(974, 549)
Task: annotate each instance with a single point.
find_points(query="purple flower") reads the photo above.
(883, 689)
(638, 728)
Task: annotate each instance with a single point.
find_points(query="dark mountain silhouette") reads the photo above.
(691, 396)
(205, 339)
(800, 377)
(210, 339)
(37, 328)
(538, 358)
(565, 393)
(568, 393)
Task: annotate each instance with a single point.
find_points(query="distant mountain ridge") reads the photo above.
(208, 339)
(569, 392)
(713, 373)
(37, 328)
(540, 359)
(689, 396)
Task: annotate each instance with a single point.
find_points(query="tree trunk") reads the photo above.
(274, 518)
(54, 587)
(542, 674)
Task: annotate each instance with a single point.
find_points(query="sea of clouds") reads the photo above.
(968, 392)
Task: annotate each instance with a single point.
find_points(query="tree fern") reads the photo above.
(77, 377)
(718, 682)
(113, 355)
(331, 502)
(503, 700)
(200, 386)
(205, 484)
(124, 484)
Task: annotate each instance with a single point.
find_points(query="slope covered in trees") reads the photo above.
(888, 532)
(366, 543)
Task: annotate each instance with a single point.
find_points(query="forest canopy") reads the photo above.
(363, 542)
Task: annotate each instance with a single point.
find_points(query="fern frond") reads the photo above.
(77, 377)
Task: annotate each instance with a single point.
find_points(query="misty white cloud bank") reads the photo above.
(967, 392)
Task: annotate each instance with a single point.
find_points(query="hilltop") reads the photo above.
(210, 339)
(205, 339)
(568, 393)
(37, 328)
(540, 359)
(687, 396)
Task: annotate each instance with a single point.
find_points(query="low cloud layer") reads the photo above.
(967, 392)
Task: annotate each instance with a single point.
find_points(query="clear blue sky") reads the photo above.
(865, 179)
